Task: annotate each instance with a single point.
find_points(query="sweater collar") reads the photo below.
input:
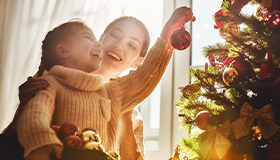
(76, 78)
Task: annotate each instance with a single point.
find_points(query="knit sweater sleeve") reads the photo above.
(128, 91)
(34, 123)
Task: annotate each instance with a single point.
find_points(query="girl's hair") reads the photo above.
(140, 24)
(58, 35)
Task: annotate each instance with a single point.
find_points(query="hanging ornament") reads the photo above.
(180, 39)
(243, 67)
(267, 68)
(202, 119)
(230, 76)
(189, 91)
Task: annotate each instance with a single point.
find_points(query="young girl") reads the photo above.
(132, 138)
(110, 100)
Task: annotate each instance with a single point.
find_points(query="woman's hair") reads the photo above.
(140, 24)
(58, 35)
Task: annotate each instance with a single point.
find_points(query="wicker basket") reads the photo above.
(73, 153)
(10, 148)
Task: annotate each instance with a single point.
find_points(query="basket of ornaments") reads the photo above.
(84, 145)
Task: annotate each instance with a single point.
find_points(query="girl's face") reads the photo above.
(85, 52)
(122, 45)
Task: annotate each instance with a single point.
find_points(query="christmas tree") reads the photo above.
(231, 107)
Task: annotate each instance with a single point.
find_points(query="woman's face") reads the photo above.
(122, 45)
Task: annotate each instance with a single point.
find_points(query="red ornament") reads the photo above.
(180, 39)
(243, 67)
(73, 141)
(202, 119)
(67, 129)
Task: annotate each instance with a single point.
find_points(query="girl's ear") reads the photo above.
(61, 51)
(137, 62)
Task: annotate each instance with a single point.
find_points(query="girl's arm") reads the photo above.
(34, 129)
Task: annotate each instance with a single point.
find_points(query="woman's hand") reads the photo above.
(43, 153)
(178, 18)
(29, 88)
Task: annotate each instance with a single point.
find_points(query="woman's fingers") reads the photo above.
(32, 86)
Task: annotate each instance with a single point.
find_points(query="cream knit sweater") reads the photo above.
(80, 97)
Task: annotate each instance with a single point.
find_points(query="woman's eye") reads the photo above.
(114, 36)
(131, 46)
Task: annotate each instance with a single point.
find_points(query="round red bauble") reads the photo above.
(202, 119)
(67, 129)
(73, 141)
(180, 39)
(243, 67)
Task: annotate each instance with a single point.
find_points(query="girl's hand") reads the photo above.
(29, 88)
(43, 153)
(178, 18)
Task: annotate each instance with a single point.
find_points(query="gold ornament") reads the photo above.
(248, 114)
(94, 146)
(190, 90)
(229, 75)
(114, 154)
(216, 139)
(90, 136)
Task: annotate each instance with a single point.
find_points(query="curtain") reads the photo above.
(23, 26)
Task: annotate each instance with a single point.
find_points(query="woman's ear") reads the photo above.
(61, 51)
(137, 62)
